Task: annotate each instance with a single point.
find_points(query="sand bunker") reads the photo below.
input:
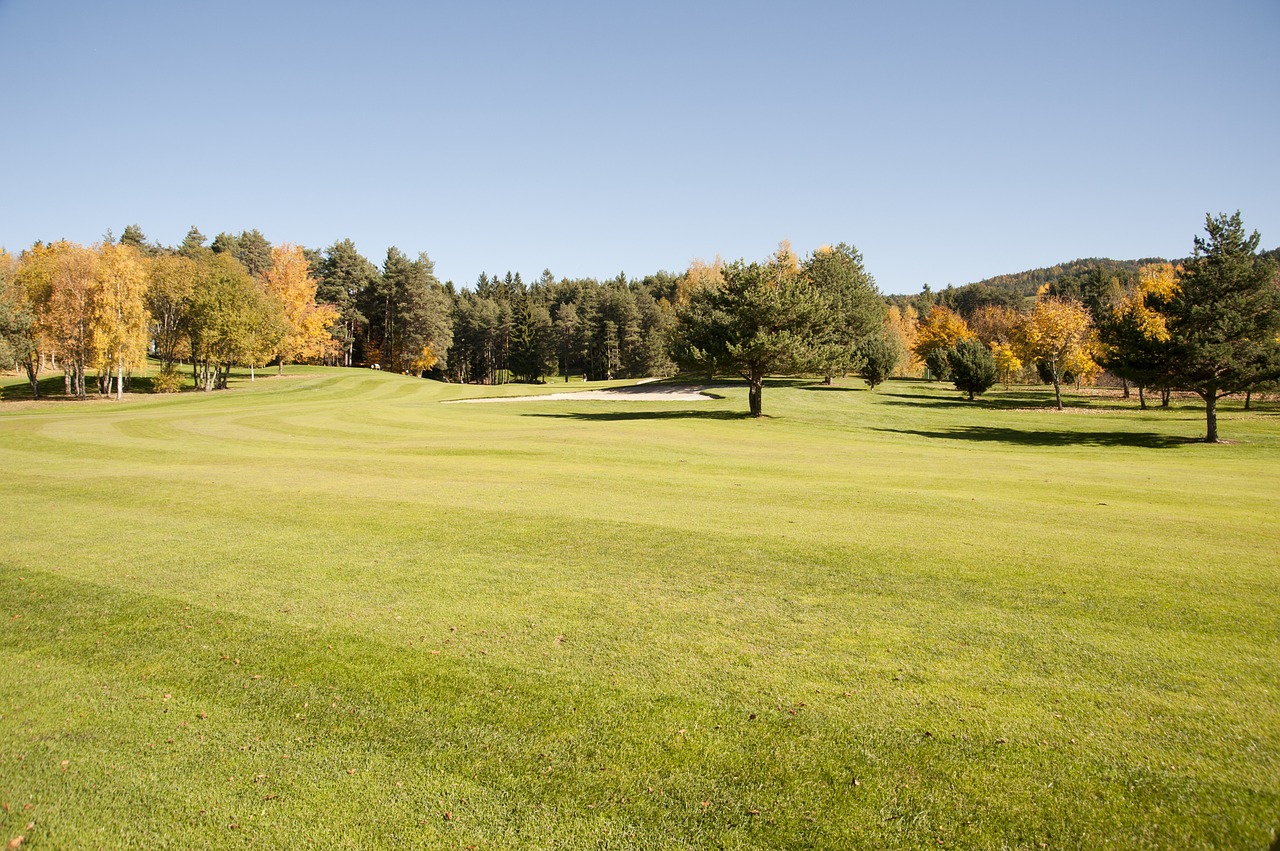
(637, 393)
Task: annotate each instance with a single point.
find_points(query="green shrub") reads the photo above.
(973, 368)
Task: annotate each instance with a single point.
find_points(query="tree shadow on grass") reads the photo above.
(1007, 399)
(613, 416)
(830, 388)
(991, 434)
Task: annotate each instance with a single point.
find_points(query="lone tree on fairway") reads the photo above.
(761, 320)
(972, 367)
(1223, 317)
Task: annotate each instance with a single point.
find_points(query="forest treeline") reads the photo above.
(241, 301)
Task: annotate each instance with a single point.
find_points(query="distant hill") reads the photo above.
(1096, 281)
(1093, 280)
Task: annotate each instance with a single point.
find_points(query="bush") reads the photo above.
(166, 382)
(973, 368)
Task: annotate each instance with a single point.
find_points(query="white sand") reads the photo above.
(637, 393)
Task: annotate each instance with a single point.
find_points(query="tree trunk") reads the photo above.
(1057, 390)
(970, 395)
(1248, 397)
(1142, 398)
(1124, 387)
(1165, 393)
(33, 377)
(119, 382)
(1211, 416)
(753, 395)
(279, 371)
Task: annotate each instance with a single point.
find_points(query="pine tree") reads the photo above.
(1223, 318)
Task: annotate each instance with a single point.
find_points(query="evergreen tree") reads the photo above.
(878, 358)
(856, 310)
(764, 318)
(193, 244)
(1223, 318)
(973, 369)
(344, 277)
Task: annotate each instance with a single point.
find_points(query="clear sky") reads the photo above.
(948, 141)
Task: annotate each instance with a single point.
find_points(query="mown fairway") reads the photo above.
(328, 611)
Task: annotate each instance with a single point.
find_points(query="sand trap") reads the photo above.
(637, 393)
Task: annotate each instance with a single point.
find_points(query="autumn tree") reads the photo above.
(288, 279)
(171, 282)
(61, 283)
(762, 319)
(700, 275)
(232, 321)
(1008, 364)
(120, 314)
(936, 334)
(1133, 336)
(1223, 318)
(1057, 333)
(901, 327)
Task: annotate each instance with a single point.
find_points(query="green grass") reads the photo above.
(328, 611)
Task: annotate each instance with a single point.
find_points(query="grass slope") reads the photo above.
(327, 611)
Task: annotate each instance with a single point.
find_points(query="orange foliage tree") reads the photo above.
(289, 281)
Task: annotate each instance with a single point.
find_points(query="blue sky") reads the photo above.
(947, 141)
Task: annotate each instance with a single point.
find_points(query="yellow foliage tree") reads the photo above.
(701, 274)
(1058, 333)
(425, 360)
(901, 328)
(289, 281)
(786, 258)
(938, 332)
(1157, 282)
(61, 282)
(1008, 364)
(120, 315)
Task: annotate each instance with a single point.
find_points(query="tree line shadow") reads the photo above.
(616, 416)
(1022, 437)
